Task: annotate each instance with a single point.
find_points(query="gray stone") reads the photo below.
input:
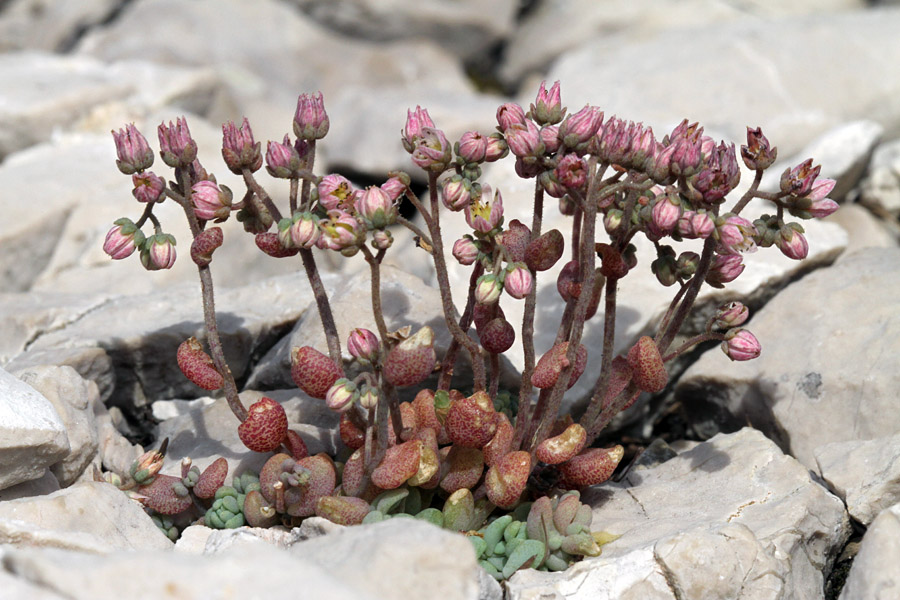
(753, 73)
(51, 26)
(865, 474)
(46, 92)
(74, 399)
(36, 487)
(864, 230)
(873, 575)
(763, 529)
(827, 370)
(91, 516)
(881, 188)
(531, 49)
(467, 28)
(206, 434)
(435, 563)
(32, 436)
(82, 576)
(15, 588)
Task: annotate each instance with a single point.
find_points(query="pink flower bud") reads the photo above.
(339, 231)
(571, 171)
(363, 345)
(552, 185)
(375, 208)
(415, 122)
(816, 203)
(735, 235)
(724, 269)
(368, 397)
(341, 395)
(757, 154)
(665, 214)
(659, 165)
(792, 243)
(550, 137)
(465, 251)
(456, 192)
(335, 191)
(177, 148)
(578, 128)
(271, 244)
(740, 344)
(497, 148)
(693, 225)
(613, 220)
(239, 149)
(686, 156)
(799, 180)
(718, 175)
(134, 154)
(643, 147)
(472, 147)
(730, 314)
(210, 201)
(310, 120)
(382, 239)
(158, 252)
(483, 215)
(148, 187)
(487, 289)
(282, 160)
(524, 140)
(395, 187)
(510, 114)
(304, 230)
(518, 281)
(432, 151)
(547, 108)
(122, 240)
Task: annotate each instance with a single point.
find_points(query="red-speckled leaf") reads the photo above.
(515, 239)
(471, 422)
(551, 364)
(266, 426)
(211, 479)
(161, 496)
(301, 502)
(351, 435)
(269, 474)
(430, 451)
(647, 368)
(562, 447)
(412, 360)
(296, 445)
(497, 336)
(542, 253)
(312, 371)
(592, 466)
(484, 313)
(342, 510)
(423, 405)
(501, 443)
(197, 365)
(269, 243)
(255, 507)
(204, 244)
(506, 480)
(466, 467)
(399, 464)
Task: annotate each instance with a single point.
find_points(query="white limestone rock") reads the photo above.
(753, 72)
(90, 516)
(73, 398)
(865, 474)
(32, 435)
(873, 575)
(827, 372)
(731, 518)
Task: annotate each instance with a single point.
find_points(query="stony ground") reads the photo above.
(777, 478)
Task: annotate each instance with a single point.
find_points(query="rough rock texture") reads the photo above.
(32, 436)
(833, 380)
(90, 517)
(74, 399)
(763, 529)
(874, 573)
(864, 474)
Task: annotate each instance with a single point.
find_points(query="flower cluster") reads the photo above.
(448, 456)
